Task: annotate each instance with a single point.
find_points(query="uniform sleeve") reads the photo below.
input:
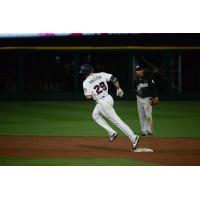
(106, 76)
(87, 90)
(154, 92)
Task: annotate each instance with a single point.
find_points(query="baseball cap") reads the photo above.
(138, 68)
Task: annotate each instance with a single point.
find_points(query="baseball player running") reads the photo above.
(146, 95)
(95, 86)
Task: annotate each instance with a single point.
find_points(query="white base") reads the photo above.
(143, 150)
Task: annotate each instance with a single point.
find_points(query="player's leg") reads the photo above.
(148, 114)
(142, 116)
(145, 132)
(96, 115)
(107, 110)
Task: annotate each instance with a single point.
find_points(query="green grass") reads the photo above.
(64, 118)
(60, 118)
(69, 162)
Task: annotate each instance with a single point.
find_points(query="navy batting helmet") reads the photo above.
(86, 69)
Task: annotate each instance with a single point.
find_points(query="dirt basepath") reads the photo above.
(167, 151)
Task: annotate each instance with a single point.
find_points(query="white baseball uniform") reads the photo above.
(96, 86)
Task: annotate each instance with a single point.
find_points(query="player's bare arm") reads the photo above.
(120, 92)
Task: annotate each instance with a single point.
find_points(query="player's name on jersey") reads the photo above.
(142, 85)
(95, 79)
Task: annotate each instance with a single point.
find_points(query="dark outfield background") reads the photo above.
(41, 90)
(52, 73)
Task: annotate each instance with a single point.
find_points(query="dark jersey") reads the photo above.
(145, 87)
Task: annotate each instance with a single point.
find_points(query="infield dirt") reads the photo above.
(167, 151)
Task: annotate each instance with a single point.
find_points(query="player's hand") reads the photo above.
(120, 92)
(156, 100)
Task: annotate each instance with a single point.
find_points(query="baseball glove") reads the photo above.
(151, 101)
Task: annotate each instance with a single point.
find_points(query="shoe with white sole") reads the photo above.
(135, 143)
(113, 137)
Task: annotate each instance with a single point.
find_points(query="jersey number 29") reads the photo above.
(99, 88)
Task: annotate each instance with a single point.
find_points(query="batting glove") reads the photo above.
(120, 92)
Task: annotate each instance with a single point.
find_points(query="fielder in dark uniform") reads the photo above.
(147, 96)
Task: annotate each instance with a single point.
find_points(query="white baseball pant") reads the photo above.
(105, 108)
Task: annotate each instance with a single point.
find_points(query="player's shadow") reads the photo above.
(98, 147)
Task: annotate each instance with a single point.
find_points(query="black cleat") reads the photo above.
(136, 142)
(143, 134)
(113, 137)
